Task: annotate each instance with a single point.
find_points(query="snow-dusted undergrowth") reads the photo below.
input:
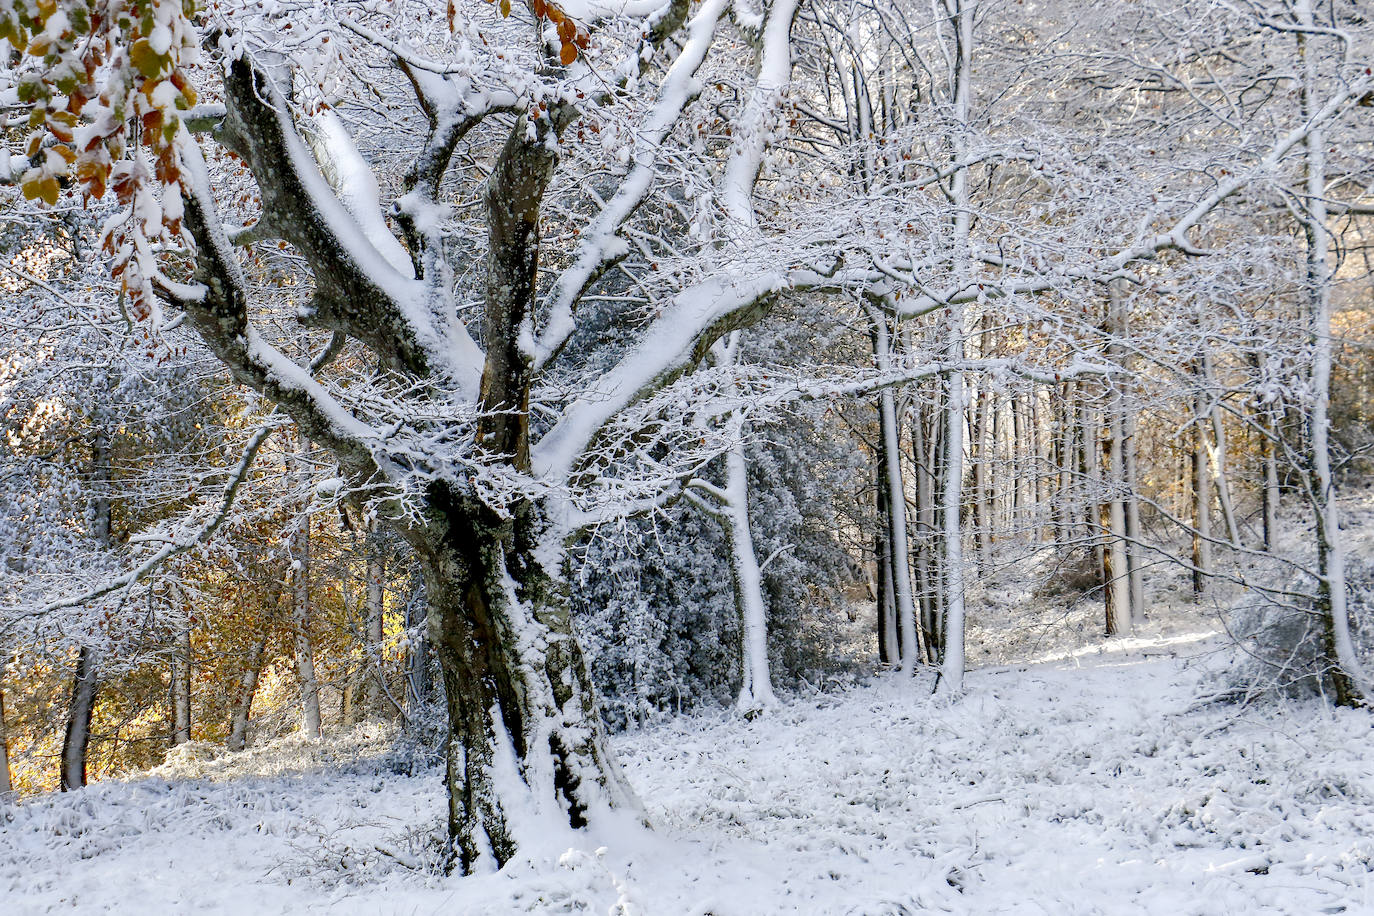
(1086, 785)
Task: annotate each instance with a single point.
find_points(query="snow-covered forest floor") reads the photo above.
(1075, 775)
(1088, 784)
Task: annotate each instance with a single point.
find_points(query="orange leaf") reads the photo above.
(568, 53)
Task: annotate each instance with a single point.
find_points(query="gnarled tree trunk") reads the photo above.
(521, 706)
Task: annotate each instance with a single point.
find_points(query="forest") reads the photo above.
(687, 456)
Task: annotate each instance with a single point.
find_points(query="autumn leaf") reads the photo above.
(150, 63)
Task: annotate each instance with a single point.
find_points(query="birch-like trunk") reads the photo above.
(1216, 456)
(756, 687)
(1202, 498)
(1117, 590)
(244, 693)
(181, 671)
(298, 556)
(1121, 608)
(898, 530)
(181, 688)
(927, 565)
(952, 560)
(1351, 682)
(1267, 428)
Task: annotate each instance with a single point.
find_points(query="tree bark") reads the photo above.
(1135, 555)
(1202, 497)
(1217, 457)
(1267, 427)
(376, 610)
(952, 560)
(1118, 595)
(889, 646)
(898, 531)
(80, 709)
(181, 675)
(298, 555)
(243, 698)
(1349, 678)
(756, 688)
(1117, 590)
(85, 682)
(6, 783)
(522, 712)
(982, 509)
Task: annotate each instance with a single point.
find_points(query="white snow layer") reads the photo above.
(1086, 785)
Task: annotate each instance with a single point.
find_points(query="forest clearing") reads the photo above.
(686, 456)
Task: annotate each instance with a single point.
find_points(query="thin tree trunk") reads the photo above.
(1351, 682)
(6, 783)
(1217, 457)
(1269, 453)
(80, 709)
(1268, 423)
(1202, 497)
(982, 509)
(1064, 451)
(896, 502)
(417, 654)
(952, 667)
(85, 682)
(181, 673)
(298, 552)
(889, 649)
(243, 697)
(1089, 458)
(1019, 466)
(756, 689)
(1117, 590)
(926, 587)
(376, 610)
(1135, 555)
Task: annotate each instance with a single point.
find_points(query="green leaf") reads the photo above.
(148, 61)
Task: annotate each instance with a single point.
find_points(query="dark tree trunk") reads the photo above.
(85, 682)
(79, 711)
(889, 636)
(517, 687)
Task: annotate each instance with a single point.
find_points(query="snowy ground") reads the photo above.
(1084, 785)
